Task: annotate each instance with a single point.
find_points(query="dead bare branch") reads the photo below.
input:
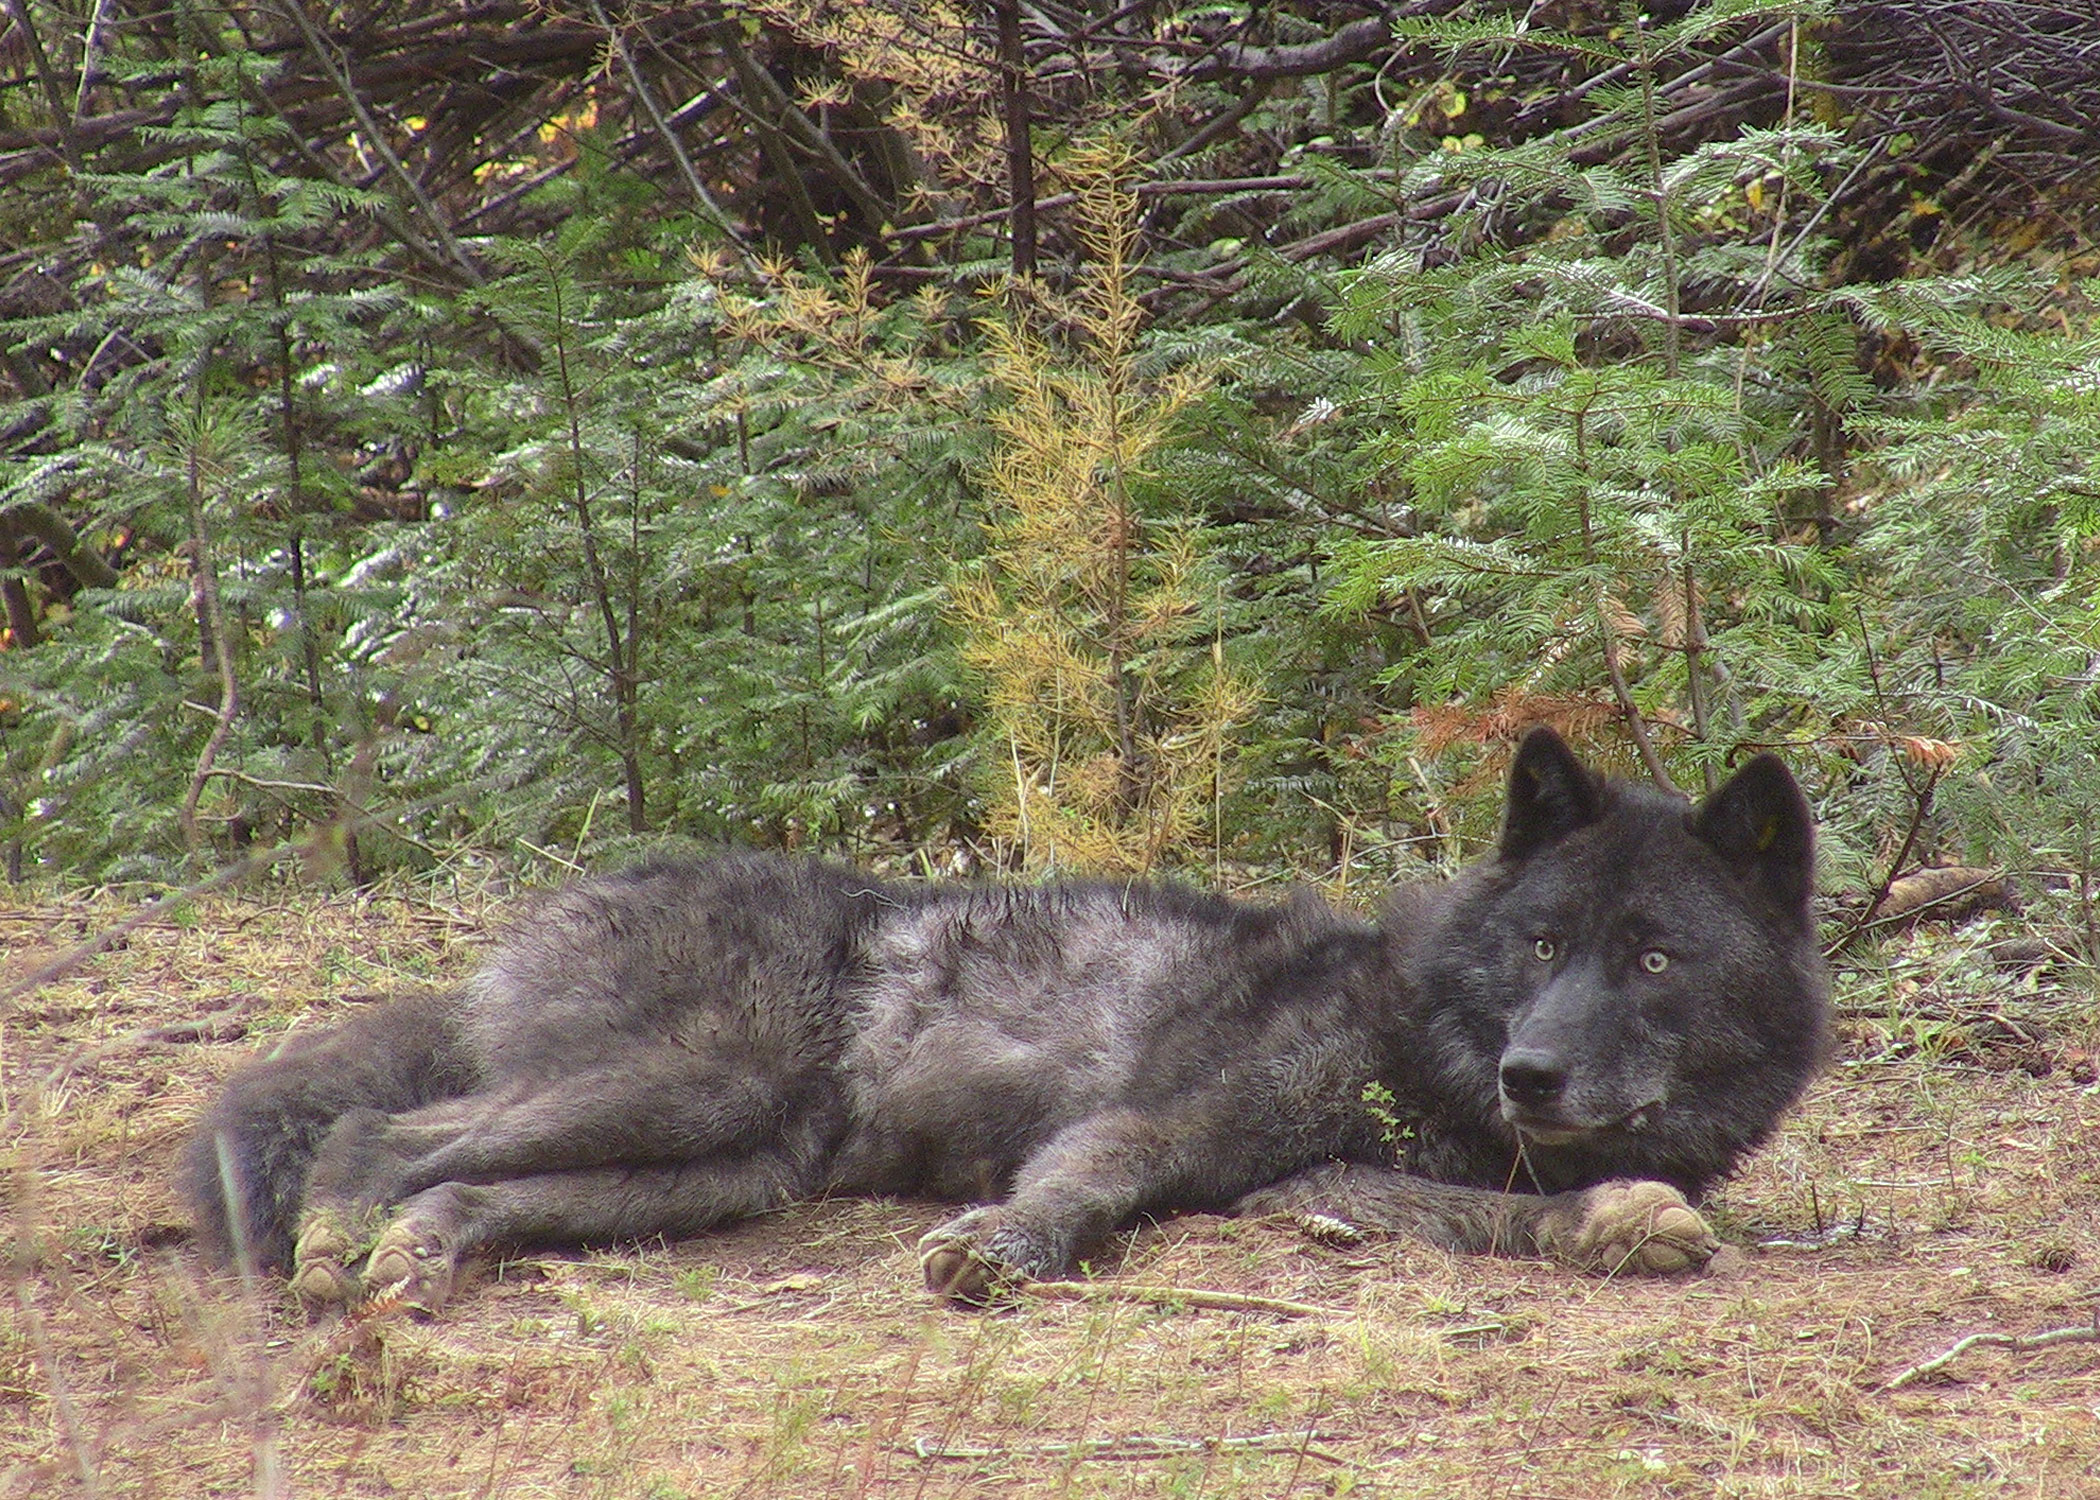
(2017, 1343)
(1173, 1296)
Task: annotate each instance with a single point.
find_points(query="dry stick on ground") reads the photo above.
(1135, 1445)
(2019, 1343)
(219, 1026)
(1941, 886)
(1109, 1291)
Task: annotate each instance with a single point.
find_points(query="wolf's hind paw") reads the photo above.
(321, 1261)
(411, 1264)
(1643, 1227)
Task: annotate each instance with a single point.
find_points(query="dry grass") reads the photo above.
(1944, 1181)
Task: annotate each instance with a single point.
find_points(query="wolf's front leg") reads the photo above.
(1617, 1226)
(1090, 1180)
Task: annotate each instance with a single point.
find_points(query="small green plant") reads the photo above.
(590, 1319)
(696, 1284)
(1378, 1103)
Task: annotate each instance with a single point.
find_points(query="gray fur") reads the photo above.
(662, 1050)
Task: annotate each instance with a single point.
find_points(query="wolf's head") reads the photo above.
(1634, 980)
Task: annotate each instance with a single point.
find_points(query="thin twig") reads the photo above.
(1177, 1296)
(1132, 1445)
(339, 78)
(212, 632)
(793, 123)
(1223, 121)
(773, 142)
(90, 45)
(219, 1026)
(1635, 724)
(65, 123)
(1867, 920)
(702, 198)
(1921, 805)
(2018, 1343)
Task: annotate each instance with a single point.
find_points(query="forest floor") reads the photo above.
(1941, 1182)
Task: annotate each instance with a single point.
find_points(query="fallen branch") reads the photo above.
(1351, 43)
(2018, 1343)
(1132, 1445)
(1178, 1296)
(1962, 887)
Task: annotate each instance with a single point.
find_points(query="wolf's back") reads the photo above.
(243, 1172)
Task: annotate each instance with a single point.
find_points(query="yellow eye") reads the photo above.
(1545, 950)
(1655, 960)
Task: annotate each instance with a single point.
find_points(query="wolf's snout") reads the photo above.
(1532, 1080)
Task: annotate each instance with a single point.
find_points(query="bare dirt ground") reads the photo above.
(1942, 1182)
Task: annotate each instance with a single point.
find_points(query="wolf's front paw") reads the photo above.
(1645, 1227)
(411, 1263)
(977, 1255)
(958, 1264)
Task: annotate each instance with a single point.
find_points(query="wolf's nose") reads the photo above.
(1531, 1079)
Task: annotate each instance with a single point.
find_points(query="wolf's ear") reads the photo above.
(1551, 794)
(1759, 823)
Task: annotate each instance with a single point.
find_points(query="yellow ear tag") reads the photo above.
(1766, 834)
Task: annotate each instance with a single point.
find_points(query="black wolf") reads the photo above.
(1603, 1016)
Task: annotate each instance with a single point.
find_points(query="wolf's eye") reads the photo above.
(1545, 950)
(1655, 960)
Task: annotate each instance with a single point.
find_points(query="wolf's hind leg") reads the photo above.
(244, 1172)
(418, 1255)
(658, 1107)
(1645, 1227)
(646, 1123)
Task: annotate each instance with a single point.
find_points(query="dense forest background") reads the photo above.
(1049, 435)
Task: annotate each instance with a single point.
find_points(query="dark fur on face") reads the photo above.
(1630, 988)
